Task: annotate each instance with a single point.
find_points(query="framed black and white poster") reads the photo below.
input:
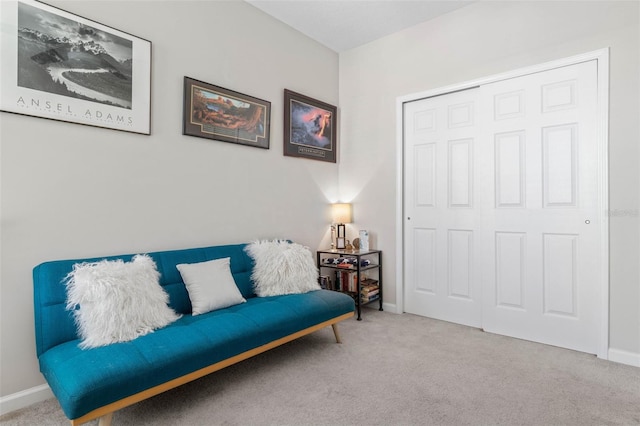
(64, 67)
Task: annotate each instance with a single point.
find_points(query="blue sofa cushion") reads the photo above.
(84, 380)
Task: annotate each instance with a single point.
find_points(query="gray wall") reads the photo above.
(76, 191)
(479, 40)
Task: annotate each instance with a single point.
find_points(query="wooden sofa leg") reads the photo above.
(105, 420)
(336, 332)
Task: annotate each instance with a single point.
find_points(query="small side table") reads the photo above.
(346, 277)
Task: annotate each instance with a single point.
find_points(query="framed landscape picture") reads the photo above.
(64, 67)
(309, 128)
(213, 112)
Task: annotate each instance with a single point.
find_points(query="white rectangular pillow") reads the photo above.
(210, 285)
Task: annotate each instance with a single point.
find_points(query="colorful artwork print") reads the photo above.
(69, 58)
(310, 125)
(221, 114)
(310, 128)
(224, 115)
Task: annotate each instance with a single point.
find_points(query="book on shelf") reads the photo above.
(325, 282)
(369, 281)
(345, 266)
(370, 292)
(367, 299)
(347, 281)
(366, 288)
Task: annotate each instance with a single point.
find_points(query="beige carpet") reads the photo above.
(393, 370)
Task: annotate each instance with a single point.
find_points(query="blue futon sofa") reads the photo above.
(94, 383)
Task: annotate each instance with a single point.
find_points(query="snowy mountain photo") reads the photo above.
(65, 57)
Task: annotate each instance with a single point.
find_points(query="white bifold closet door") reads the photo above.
(442, 226)
(501, 205)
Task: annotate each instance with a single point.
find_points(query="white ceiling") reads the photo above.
(344, 24)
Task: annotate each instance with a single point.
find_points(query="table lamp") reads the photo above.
(341, 213)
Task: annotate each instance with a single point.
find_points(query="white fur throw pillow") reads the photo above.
(282, 268)
(117, 301)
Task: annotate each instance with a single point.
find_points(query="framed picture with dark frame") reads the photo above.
(213, 112)
(64, 67)
(310, 128)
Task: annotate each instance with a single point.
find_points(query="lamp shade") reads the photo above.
(341, 212)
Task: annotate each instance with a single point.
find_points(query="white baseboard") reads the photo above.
(387, 307)
(390, 307)
(624, 357)
(24, 398)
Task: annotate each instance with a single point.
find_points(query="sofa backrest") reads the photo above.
(54, 324)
